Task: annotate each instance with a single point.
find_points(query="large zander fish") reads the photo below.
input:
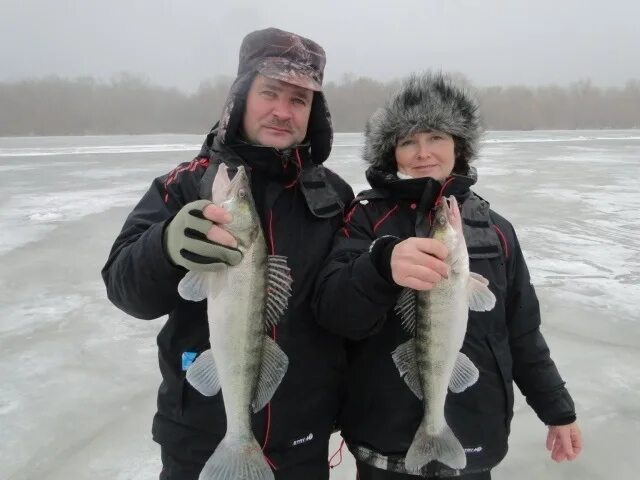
(243, 301)
(431, 362)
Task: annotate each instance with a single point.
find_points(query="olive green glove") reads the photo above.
(186, 243)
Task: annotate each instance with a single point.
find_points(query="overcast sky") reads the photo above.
(181, 42)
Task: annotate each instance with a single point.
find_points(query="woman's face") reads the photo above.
(426, 154)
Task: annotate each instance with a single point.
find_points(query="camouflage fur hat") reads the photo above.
(283, 56)
(431, 101)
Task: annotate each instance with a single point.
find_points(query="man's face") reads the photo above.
(277, 113)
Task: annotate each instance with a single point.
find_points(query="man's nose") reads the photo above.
(282, 109)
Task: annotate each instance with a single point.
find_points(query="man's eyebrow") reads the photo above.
(273, 85)
(303, 93)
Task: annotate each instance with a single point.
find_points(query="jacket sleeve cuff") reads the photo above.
(554, 408)
(380, 253)
(563, 421)
(163, 244)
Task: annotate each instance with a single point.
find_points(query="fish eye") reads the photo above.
(242, 193)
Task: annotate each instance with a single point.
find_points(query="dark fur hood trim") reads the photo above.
(431, 101)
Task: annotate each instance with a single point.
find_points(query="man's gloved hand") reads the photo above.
(194, 240)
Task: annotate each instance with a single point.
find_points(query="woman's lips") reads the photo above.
(424, 167)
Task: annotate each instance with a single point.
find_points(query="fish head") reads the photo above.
(238, 201)
(447, 227)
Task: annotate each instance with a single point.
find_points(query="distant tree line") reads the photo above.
(131, 104)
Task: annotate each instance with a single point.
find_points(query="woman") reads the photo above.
(419, 148)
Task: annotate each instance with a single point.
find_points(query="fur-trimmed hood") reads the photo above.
(431, 101)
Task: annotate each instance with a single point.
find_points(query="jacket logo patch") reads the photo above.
(473, 449)
(302, 440)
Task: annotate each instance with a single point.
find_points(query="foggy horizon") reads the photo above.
(178, 44)
(345, 78)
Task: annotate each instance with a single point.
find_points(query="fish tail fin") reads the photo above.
(237, 461)
(443, 447)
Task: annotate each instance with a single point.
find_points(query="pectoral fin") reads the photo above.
(481, 299)
(196, 286)
(203, 375)
(464, 374)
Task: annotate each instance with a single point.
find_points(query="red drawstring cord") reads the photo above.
(439, 198)
(299, 165)
(272, 250)
(266, 436)
(503, 240)
(444, 185)
(270, 462)
(272, 247)
(339, 451)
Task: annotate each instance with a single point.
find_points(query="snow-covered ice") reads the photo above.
(79, 377)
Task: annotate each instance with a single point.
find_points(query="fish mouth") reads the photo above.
(447, 207)
(452, 210)
(240, 176)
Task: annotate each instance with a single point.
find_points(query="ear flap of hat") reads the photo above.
(233, 110)
(320, 130)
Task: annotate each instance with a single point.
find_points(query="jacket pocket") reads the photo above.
(499, 345)
(491, 265)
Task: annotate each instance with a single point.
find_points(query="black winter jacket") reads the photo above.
(301, 205)
(354, 298)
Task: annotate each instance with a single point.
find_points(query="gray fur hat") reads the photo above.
(431, 101)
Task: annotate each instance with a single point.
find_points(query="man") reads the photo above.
(276, 123)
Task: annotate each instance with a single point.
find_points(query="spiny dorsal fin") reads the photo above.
(278, 286)
(406, 309)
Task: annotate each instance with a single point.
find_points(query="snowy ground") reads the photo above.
(79, 378)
